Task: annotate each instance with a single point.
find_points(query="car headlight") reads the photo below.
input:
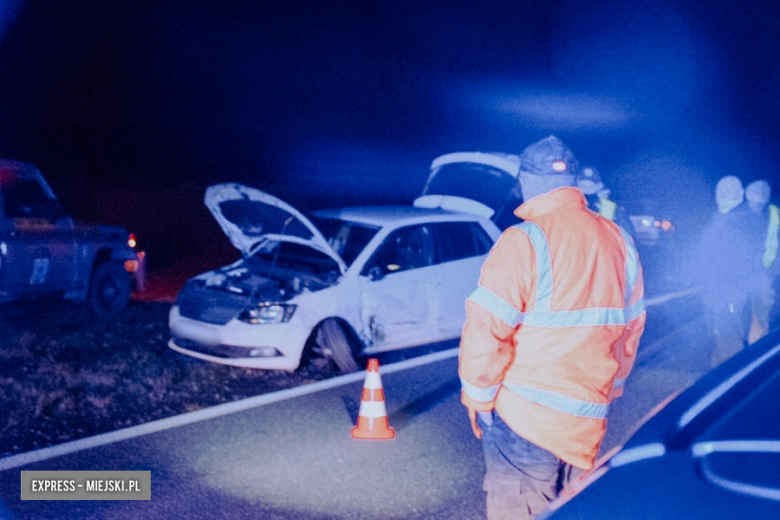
(268, 313)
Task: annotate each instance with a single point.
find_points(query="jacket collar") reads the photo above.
(567, 196)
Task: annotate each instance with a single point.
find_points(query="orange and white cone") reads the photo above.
(372, 419)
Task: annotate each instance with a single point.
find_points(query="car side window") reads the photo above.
(25, 198)
(404, 249)
(459, 240)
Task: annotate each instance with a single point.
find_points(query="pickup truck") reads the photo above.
(44, 251)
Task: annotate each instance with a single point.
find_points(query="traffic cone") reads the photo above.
(372, 419)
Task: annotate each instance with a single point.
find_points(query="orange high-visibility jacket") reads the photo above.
(554, 325)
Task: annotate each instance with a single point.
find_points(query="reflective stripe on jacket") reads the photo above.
(553, 327)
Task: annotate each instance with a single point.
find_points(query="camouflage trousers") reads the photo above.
(521, 478)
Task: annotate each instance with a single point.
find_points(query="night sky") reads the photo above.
(131, 108)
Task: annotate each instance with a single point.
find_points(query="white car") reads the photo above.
(348, 282)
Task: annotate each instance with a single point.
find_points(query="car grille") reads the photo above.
(211, 305)
(221, 351)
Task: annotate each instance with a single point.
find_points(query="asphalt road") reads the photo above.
(290, 455)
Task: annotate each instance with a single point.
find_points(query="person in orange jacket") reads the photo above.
(551, 334)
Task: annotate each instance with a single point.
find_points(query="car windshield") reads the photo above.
(347, 239)
(26, 198)
(292, 256)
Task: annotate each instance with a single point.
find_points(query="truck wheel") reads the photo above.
(336, 345)
(110, 289)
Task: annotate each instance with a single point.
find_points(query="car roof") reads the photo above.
(381, 216)
(673, 486)
(11, 164)
(680, 423)
(719, 434)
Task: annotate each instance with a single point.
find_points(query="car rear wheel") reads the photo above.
(110, 289)
(336, 345)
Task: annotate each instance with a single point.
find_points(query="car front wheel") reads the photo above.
(110, 289)
(336, 345)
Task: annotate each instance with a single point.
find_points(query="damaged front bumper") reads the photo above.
(265, 346)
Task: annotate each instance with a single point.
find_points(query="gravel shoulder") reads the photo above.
(66, 375)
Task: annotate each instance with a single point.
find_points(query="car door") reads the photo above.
(462, 249)
(399, 288)
(37, 244)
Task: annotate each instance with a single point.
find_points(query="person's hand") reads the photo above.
(474, 426)
(617, 389)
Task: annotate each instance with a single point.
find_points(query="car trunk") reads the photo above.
(485, 184)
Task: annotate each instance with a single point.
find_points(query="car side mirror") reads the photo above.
(375, 273)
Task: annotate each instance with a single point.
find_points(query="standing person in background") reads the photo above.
(722, 267)
(763, 223)
(597, 195)
(551, 335)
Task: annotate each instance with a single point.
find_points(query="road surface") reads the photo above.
(289, 455)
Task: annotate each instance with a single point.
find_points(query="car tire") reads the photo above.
(336, 345)
(110, 288)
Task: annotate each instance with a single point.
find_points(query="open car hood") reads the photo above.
(256, 221)
(472, 182)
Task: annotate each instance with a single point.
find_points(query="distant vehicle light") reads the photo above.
(131, 240)
(559, 166)
(666, 225)
(646, 222)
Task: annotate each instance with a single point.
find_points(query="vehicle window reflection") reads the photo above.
(404, 249)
